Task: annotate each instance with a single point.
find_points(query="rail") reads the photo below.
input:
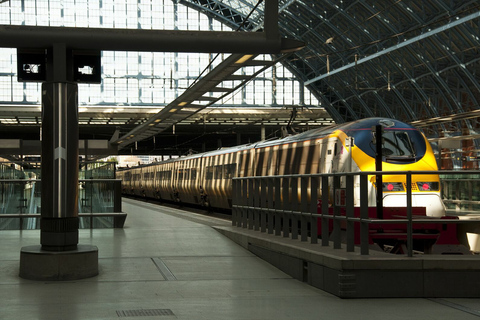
(99, 203)
(273, 204)
(87, 220)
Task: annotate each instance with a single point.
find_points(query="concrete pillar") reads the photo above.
(59, 222)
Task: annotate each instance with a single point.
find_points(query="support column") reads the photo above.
(59, 222)
(59, 256)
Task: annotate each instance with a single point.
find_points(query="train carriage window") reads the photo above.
(218, 172)
(181, 173)
(193, 174)
(146, 176)
(230, 170)
(209, 173)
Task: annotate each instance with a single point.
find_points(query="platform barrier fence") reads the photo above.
(99, 204)
(291, 206)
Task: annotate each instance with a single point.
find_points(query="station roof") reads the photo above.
(408, 59)
(416, 61)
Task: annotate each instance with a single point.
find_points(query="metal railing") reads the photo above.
(99, 203)
(287, 205)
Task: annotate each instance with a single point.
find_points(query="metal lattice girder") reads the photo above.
(190, 102)
(415, 59)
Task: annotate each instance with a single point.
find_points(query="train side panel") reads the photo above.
(219, 171)
(188, 180)
(148, 181)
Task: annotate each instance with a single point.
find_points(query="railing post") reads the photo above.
(278, 202)
(286, 207)
(350, 214)
(364, 241)
(270, 201)
(313, 209)
(263, 204)
(239, 202)
(256, 204)
(294, 208)
(304, 208)
(337, 237)
(250, 203)
(325, 219)
(235, 198)
(244, 202)
(409, 215)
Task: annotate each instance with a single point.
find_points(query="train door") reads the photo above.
(260, 161)
(201, 168)
(337, 156)
(230, 171)
(328, 150)
(174, 182)
(246, 163)
(208, 176)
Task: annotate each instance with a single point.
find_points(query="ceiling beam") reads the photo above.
(404, 44)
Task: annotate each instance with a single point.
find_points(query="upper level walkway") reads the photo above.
(171, 264)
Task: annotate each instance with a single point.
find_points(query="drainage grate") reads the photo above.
(144, 313)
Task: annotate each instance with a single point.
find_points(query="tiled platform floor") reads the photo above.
(170, 264)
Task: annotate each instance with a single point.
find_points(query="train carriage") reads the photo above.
(206, 178)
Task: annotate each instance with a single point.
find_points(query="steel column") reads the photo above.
(59, 223)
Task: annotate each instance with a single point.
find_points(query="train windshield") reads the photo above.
(396, 145)
(401, 143)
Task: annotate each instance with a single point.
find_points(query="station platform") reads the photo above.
(171, 264)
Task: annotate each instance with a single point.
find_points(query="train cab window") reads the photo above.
(396, 145)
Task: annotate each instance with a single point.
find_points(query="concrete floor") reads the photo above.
(169, 264)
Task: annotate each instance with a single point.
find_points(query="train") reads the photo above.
(205, 179)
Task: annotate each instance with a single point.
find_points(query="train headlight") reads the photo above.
(428, 186)
(393, 186)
